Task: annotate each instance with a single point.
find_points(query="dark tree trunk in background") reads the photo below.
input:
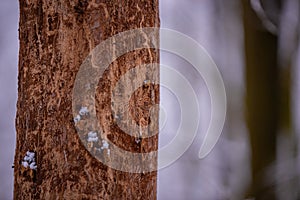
(262, 74)
(55, 38)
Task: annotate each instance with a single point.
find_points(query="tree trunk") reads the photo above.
(55, 38)
(262, 79)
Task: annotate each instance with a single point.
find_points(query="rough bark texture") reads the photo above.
(262, 79)
(55, 38)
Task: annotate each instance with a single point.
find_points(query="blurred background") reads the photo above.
(9, 47)
(255, 46)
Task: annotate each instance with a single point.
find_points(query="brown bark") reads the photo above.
(55, 38)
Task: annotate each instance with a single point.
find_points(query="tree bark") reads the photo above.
(55, 38)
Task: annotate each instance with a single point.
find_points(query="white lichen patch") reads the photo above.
(33, 166)
(137, 140)
(77, 119)
(29, 160)
(25, 164)
(105, 144)
(146, 82)
(83, 111)
(92, 137)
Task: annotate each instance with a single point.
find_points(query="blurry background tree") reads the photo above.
(262, 98)
(55, 38)
(268, 97)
